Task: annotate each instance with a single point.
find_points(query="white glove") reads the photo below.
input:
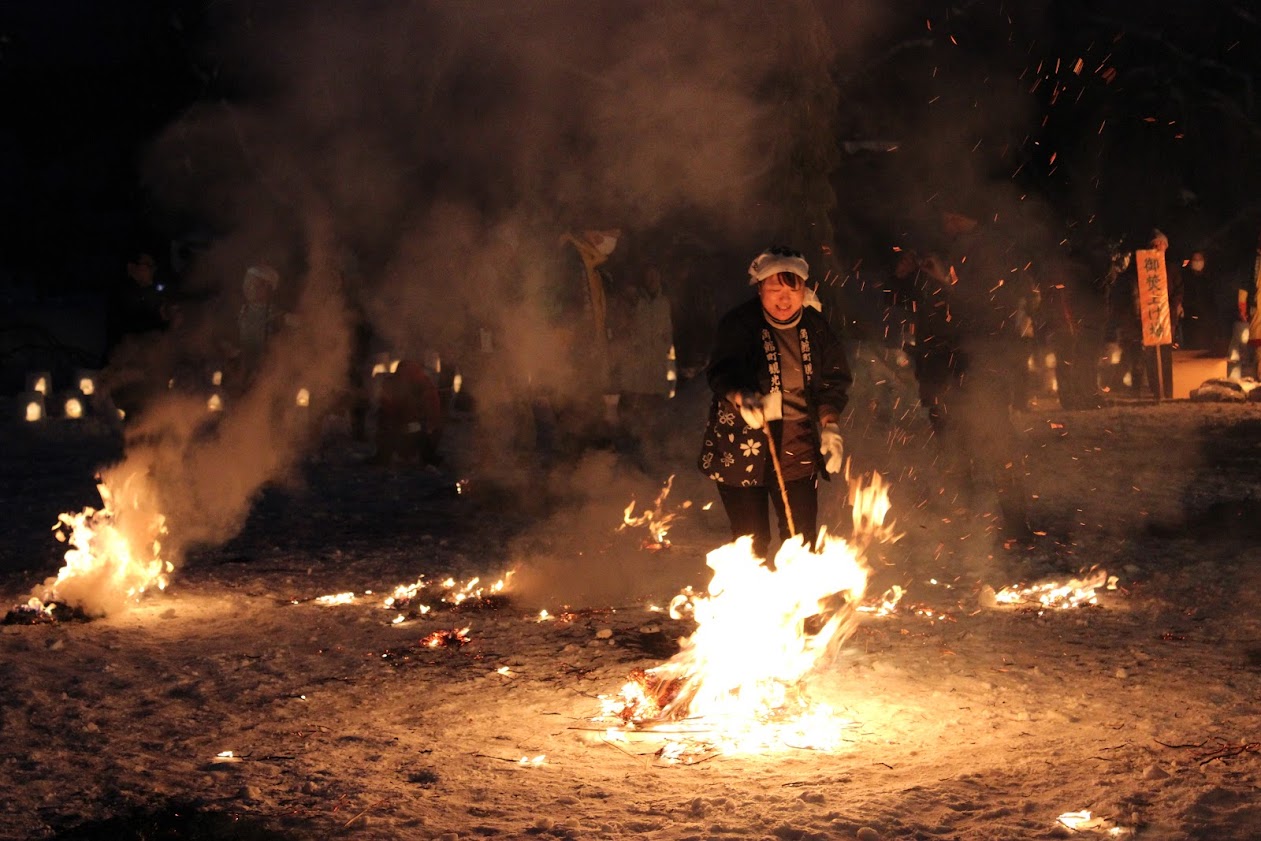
(830, 447)
(750, 405)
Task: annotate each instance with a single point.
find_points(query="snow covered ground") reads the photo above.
(958, 718)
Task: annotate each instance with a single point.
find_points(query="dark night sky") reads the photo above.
(88, 85)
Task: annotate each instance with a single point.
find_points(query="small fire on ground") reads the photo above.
(472, 593)
(1053, 595)
(115, 555)
(656, 520)
(739, 684)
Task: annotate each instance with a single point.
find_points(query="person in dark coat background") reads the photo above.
(780, 378)
(137, 304)
(971, 350)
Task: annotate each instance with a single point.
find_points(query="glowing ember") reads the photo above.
(338, 598)
(449, 639)
(657, 521)
(116, 553)
(1054, 595)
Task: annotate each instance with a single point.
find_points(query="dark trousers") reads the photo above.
(747, 512)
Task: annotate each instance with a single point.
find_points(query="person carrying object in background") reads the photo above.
(578, 408)
(780, 378)
(645, 345)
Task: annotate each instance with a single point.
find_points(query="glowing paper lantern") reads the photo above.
(32, 406)
(85, 381)
(40, 381)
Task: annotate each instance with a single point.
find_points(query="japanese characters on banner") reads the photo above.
(1153, 297)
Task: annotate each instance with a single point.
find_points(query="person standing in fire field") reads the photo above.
(410, 416)
(137, 304)
(780, 380)
(972, 352)
(575, 405)
(258, 319)
(645, 360)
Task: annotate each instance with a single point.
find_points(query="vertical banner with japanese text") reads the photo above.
(1153, 297)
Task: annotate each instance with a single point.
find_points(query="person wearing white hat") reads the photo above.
(258, 318)
(780, 378)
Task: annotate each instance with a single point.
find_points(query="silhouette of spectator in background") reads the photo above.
(971, 355)
(258, 319)
(1202, 327)
(1243, 359)
(645, 344)
(1072, 320)
(410, 416)
(137, 304)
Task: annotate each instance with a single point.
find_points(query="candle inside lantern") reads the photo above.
(73, 407)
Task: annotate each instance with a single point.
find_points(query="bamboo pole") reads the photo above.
(779, 476)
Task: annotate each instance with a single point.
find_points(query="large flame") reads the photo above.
(761, 630)
(115, 553)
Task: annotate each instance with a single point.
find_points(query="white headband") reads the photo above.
(767, 264)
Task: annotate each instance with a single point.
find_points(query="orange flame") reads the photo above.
(1076, 592)
(657, 520)
(115, 554)
(761, 631)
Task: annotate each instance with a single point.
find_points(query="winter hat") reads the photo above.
(265, 273)
(776, 259)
